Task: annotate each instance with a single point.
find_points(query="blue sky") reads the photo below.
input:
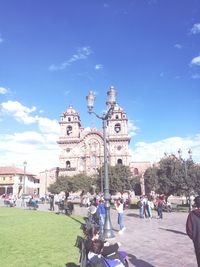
(53, 52)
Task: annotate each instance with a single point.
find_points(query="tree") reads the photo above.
(135, 184)
(72, 183)
(173, 175)
(151, 179)
(119, 176)
(60, 185)
(170, 178)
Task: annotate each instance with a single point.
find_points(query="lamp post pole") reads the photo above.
(24, 184)
(24, 180)
(186, 171)
(45, 186)
(108, 232)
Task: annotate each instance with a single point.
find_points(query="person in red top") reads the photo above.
(159, 204)
(193, 227)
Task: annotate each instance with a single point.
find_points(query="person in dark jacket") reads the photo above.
(109, 251)
(193, 227)
(102, 214)
(51, 202)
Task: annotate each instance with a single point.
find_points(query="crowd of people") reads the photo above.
(147, 204)
(100, 252)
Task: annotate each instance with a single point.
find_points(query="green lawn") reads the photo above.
(33, 238)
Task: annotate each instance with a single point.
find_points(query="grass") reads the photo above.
(33, 238)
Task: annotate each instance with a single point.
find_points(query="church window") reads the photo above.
(117, 127)
(69, 130)
(117, 117)
(119, 147)
(119, 161)
(135, 171)
(68, 164)
(68, 150)
(69, 119)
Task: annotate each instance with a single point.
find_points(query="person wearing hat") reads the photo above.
(193, 227)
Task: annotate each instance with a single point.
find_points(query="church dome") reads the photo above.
(70, 110)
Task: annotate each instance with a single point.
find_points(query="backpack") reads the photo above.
(96, 262)
(113, 262)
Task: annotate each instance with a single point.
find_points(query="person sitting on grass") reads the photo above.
(110, 251)
(96, 258)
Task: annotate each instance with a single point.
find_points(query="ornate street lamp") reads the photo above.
(24, 183)
(184, 161)
(111, 101)
(45, 186)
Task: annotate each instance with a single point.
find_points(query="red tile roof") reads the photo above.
(12, 170)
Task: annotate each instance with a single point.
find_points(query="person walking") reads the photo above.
(159, 204)
(141, 207)
(102, 214)
(51, 202)
(193, 228)
(120, 209)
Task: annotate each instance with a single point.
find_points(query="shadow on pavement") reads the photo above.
(133, 215)
(173, 231)
(137, 262)
(71, 264)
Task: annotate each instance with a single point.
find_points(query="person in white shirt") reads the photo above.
(120, 209)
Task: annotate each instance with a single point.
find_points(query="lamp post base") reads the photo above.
(108, 232)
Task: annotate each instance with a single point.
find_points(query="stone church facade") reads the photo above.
(82, 149)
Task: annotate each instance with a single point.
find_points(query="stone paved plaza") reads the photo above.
(151, 242)
(154, 242)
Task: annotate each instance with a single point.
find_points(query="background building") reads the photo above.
(12, 181)
(82, 150)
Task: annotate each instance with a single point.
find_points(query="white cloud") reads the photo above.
(22, 114)
(196, 61)
(153, 152)
(41, 152)
(178, 46)
(81, 53)
(132, 128)
(196, 28)
(18, 111)
(3, 91)
(46, 125)
(98, 67)
(38, 148)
